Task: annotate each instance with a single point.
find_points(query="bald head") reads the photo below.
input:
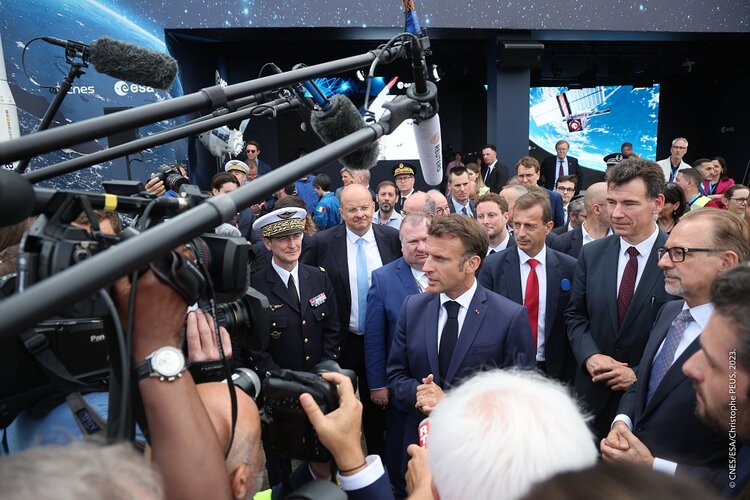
(511, 193)
(441, 202)
(245, 459)
(415, 203)
(596, 193)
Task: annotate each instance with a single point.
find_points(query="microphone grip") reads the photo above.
(430, 149)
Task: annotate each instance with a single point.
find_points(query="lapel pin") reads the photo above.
(476, 311)
(565, 284)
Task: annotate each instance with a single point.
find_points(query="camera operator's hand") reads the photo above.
(201, 339)
(339, 431)
(155, 185)
(418, 475)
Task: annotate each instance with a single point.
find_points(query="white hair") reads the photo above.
(79, 470)
(502, 431)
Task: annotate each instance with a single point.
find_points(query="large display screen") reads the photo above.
(595, 121)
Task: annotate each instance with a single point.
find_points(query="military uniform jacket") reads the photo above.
(299, 337)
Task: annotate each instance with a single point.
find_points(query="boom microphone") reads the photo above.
(339, 121)
(125, 61)
(426, 131)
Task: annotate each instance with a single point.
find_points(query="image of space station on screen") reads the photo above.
(595, 121)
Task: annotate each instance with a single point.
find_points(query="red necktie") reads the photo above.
(627, 285)
(561, 172)
(531, 300)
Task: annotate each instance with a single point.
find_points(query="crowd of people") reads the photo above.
(508, 330)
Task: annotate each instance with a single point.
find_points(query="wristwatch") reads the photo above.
(166, 363)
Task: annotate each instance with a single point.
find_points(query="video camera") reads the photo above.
(78, 345)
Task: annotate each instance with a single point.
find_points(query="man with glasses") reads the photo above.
(617, 290)
(252, 151)
(670, 166)
(561, 165)
(350, 252)
(441, 203)
(595, 224)
(403, 174)
(566, 186)
(656, 425)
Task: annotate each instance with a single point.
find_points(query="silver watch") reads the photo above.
(167, 363)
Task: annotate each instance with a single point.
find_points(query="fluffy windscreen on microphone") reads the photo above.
(17, 198)
(133, 63)
(338, 122)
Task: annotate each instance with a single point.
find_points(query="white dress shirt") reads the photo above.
(459, 207)
(502, 246)
(644, 251)
(373, 262)
(588, 239)
(421, 278)
(464, 300)
(284, 275)
(541, 274)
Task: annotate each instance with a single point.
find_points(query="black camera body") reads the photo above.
(171, 177)
(285, 424)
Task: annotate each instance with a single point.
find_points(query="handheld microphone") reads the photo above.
(339, 121)
(125, 61)
(426, 131)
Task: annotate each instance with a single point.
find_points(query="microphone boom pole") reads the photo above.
(48, 297)
(207, 98)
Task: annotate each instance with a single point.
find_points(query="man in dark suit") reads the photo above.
(618, 290)
(594, 227)
(391, 284)
(458, 198)
(527, 171)
(656, 424)
(494, 172)
(539, 278)
(557, 166)
(457, 329)
(349, 253)
(493, 215)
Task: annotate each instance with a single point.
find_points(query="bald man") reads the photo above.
(350, 252)
(596, 225)
(245, 459)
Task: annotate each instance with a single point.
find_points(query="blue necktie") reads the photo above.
(362, 283)
(665, 358)
(463, 210)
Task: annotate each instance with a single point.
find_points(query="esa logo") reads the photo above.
(124, 88)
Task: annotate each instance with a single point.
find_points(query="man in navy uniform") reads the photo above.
(303, 317)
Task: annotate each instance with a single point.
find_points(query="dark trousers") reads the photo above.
(373, 416)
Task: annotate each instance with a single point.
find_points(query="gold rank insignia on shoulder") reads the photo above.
(275, 335)
(318, 300)
(273, 307)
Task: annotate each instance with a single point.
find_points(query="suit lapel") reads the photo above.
(577, 240)
(609, 275)
(643, 292)
(386, 255)
(339, 251)
(473, 321)
(403, 271)
(656, 337)
(279, 287)
(431, 337)
(305, 288)
(673, 377)
(512, 276)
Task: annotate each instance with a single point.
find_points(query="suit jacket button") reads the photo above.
(273, 324)
(307, 340)
(304, 322)
(307, 358)
(639, 428)
(322, 315)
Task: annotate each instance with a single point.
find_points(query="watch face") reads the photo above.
(168, 362)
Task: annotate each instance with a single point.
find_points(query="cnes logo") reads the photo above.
(123, 88)
(82, 89)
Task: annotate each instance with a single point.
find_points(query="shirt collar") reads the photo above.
(700, 314)
(284, 274)
(369, 236)
(464, 299)
(644, 247)
(541, 257)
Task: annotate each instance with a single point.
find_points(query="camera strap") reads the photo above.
(88, 421)
(181, 274)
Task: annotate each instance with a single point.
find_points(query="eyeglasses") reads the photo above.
(677, 254)
(740, 201)
(404, 178)
(443, 210)
(354, 210)
(566, 190)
